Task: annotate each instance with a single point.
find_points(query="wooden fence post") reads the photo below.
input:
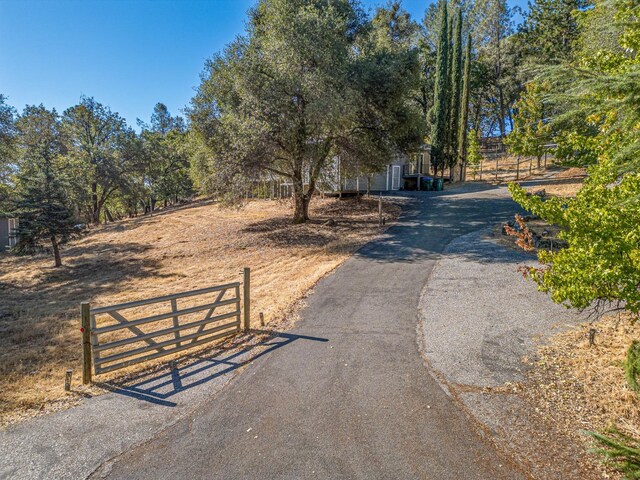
(380, 210)
(518, 168)
(85, 308)
(67, 381)
(176, 320)
(481, 163)
(247, 298)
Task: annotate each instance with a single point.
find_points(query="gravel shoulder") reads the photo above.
(481, 325)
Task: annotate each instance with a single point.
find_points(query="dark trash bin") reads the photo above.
(426, 183)
(438, 184)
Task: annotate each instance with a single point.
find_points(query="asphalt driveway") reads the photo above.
(354, 399)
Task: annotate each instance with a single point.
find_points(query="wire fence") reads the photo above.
(508, 168)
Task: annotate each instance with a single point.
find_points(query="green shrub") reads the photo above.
(632, 365)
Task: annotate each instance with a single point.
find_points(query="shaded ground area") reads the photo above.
(483, 323)
(191, 247)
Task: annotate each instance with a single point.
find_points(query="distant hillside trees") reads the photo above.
(165, 159)
(98, 144)
(86, 166)
(310, 80)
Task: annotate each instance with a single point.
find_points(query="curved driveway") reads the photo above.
(354, 401)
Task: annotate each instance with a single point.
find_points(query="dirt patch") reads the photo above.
(566, 182)
(571, 172)
(508, 168)
(183, 249)
(582, 387)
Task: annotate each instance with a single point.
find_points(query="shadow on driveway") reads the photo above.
(442, 216)
(158, 386)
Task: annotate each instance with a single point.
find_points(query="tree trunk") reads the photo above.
(56, 251)
(95, 209)
(301, 202)
(457, 172)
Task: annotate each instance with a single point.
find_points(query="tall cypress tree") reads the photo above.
(464, 111)
(456, 85)
(440, 93)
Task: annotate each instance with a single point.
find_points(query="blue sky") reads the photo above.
(128, 54)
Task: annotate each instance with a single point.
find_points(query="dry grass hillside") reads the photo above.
(192, 247)
(564, 183)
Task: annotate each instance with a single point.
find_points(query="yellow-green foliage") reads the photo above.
(473, 152)
(602, 228)
(530, 132)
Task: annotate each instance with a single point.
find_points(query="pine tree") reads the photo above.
(441, 98)
(41, 206)
(7, 151)
(464, 111)
(549, 31)
(456, 85)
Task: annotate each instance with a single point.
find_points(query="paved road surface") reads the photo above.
(354, 400)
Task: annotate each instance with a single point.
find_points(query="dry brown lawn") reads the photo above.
(507, 168)
(192, 247)
(582, 387)
(564, 183)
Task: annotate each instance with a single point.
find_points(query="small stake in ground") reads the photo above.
(67, 381)
(261, 319)
(380, 210)
(592, 337)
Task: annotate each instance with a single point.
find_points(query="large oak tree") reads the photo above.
(309, 80)
(103, 149)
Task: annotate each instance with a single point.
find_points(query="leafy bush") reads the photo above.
(602, 228)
